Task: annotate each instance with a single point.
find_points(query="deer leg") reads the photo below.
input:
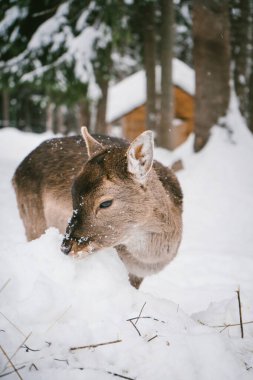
(31, 211)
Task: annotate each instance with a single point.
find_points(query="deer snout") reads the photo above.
(66, 246)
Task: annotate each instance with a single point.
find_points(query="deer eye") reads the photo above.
(105, 204)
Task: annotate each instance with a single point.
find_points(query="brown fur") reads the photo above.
(143, 223)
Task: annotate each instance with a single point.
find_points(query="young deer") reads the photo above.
(121, 198)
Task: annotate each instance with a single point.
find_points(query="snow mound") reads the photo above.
(62, 318)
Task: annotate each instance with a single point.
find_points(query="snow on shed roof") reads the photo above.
(130, 93)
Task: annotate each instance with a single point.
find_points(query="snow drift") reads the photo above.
(51, 305)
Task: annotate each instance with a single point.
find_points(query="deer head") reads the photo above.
(109, 194)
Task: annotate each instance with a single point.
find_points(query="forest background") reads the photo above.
(58, 58)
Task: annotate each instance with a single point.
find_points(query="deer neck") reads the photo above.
(153, 239)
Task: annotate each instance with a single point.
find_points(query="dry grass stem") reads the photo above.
(145, 317)
(95, 345)
(9, 373)
(11, 363)
(4, 285)
(13, 324)
(225, 326)
(137, 319)
(6, 365)
(58, 319)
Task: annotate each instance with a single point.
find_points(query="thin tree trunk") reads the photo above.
(211, 54)
(6, 105)
(101, 126)
(150, 62)
(61, 127)
(250, 98)
(240, 38)
(50, 117)
(166, 111)
(102, 72)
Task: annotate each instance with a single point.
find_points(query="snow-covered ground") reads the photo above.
(50, 303)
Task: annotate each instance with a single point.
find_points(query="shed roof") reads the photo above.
(130, 93)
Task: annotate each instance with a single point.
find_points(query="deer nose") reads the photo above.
(66, 246)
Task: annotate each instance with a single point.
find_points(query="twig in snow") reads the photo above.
(13, 324)
(4, 285)
(145, 317)
(137, 319)
(95, 345)
(9, 373)
(27, 349)
(240, 311)
(138, 331)
(11, 363)
(118, 375)
(152, 338)
(33, 366)
(106, 371)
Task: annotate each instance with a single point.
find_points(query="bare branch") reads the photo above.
(240, 311)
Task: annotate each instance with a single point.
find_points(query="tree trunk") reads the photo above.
(150, 62)
(250, 98)
(240, 38)
(211, 55)
(6, 105)
(166, 110)
(103, 66)
(50, 117)
(60, 124)
(101, 126)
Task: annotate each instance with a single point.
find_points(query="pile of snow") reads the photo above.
(50, 303)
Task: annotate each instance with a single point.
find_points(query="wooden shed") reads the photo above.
(126, 104)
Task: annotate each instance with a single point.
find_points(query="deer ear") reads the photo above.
(140, 155)
(92, 145)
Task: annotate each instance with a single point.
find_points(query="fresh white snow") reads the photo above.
(64, 303)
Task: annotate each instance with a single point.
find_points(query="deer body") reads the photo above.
(104, 193)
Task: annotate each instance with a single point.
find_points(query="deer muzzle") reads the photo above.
(66, 246)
